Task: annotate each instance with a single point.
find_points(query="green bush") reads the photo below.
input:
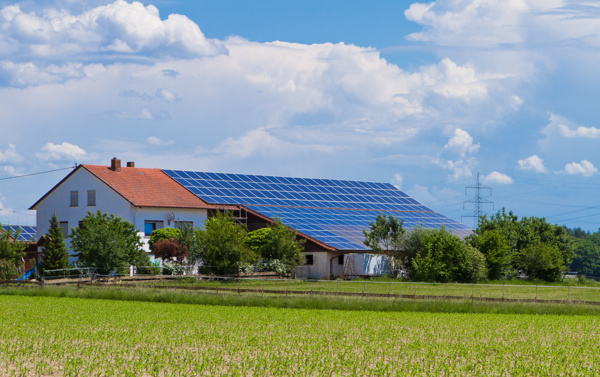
(8, 270)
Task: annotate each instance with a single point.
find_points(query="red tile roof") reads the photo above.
(147, 187)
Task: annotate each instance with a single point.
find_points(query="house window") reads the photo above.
(91, 198)
(182, 224)
(74, 198)
(64, 226)
(309, 260)
(341, 259)
(152, 225)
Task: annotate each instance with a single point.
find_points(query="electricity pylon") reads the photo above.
(478, 200)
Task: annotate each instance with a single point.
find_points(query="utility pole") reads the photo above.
(478, 201)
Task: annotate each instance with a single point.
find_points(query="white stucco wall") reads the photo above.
(323, 266)
(107, 201)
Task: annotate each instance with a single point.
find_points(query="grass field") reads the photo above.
(364, 287)
(69, 336)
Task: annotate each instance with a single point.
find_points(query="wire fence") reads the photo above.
(269, 283)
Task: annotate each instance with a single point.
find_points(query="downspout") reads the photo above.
(331, 266)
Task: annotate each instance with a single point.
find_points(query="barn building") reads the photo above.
(329, 214)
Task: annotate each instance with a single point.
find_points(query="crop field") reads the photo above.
(42, 336)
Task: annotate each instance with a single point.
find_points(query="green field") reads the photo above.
(394, 288)
(69, 336)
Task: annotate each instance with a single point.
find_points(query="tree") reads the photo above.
(385, 236)
(221, 244)
(437, 255)
(540, 260)
(587, 258)
(525, 238)
(106, 242)
(11, 249)
(164, 243)
(277, 242)
(494, 246)
(55, 255)
(162, 234)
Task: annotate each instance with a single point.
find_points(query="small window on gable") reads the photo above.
(152, 225)
(64, 226)
(74, 198)
(308, 259)
(91, 198)
(341, 259)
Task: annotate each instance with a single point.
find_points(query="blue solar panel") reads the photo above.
(28, 233)
(334, 212)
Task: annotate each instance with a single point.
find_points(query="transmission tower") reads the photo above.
(478, 201)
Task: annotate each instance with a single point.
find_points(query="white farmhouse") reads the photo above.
(147, 198)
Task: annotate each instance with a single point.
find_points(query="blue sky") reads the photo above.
(422, 95)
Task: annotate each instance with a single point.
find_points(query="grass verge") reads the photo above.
(313, 302)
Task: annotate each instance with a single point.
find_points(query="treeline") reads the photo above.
(501, 247)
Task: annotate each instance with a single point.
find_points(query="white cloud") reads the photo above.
(460, 168)
(585, 168)
(64, 151)
(494, 22)
(120, 28)
(499, 178)
(153, 140)
(397, 181)
(462, 143)
(532, 163)
(10, 154)
(579, 132)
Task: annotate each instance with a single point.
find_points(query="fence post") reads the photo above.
(263, 286)
(472, 288)
(536, 292)
(568, 293)
(415, 290)
(364, 288)
(390, 290)
(502, 291)
(239, 286)
(445, 287)
(337, 288)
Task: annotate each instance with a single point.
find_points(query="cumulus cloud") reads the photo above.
(584, 168)
(499, 178)
(460, 168)
(532, 163)
(153, 140)
(64, 151)
(260, 141)
(462, 143)
(10, 154)
(499, 22)
(120, 28)
(579, 132)
(397, 181)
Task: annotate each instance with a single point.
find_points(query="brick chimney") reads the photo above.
(115, 164)
(131, 164)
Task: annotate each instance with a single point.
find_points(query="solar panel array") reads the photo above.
(27, 232)
(334, 212)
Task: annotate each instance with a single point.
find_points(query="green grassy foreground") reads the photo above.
(302, 302)
(72, 336)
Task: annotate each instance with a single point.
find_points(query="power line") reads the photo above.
(38, 173)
